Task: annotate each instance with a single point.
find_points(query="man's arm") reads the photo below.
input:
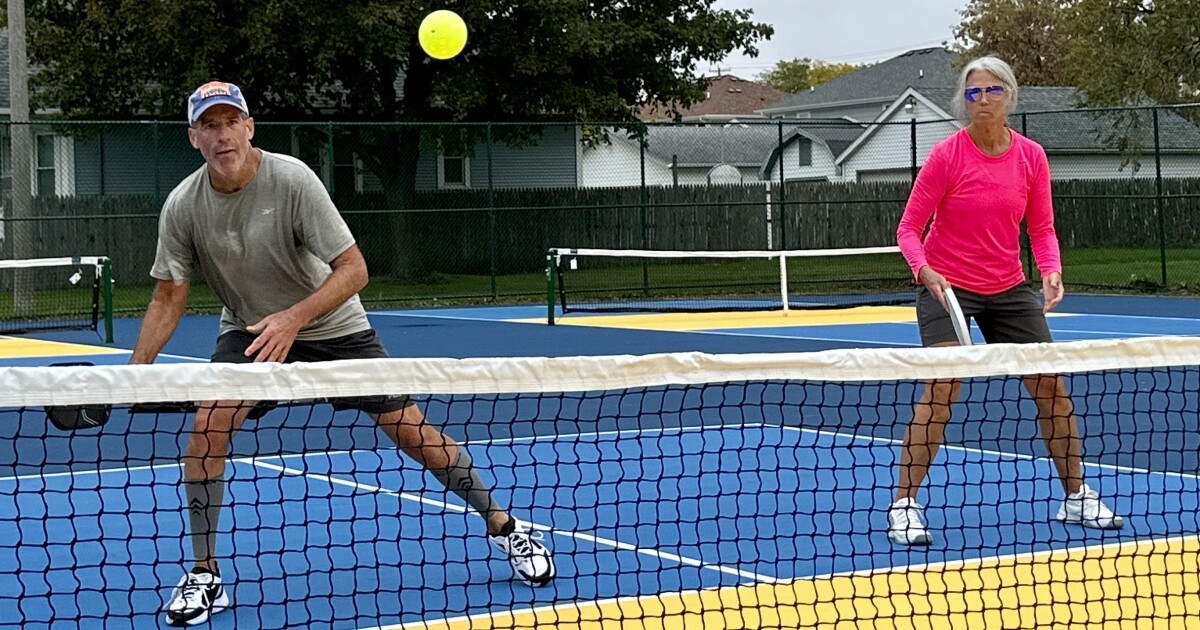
(277, 331)
(166, 307)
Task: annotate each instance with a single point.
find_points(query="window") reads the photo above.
(804, 151)
(52, 169)
(44, 181)
(454, 172)
(54, 166)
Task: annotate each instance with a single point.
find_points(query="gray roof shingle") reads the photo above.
(932, 67)
(742, 144)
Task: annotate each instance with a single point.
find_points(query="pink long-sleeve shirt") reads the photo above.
(977, 202)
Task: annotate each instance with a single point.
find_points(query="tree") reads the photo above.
(532, 61)
(575, 60)
(788, 76)
(799, 75)
(1124, 51)
(822, 72)
(1114, 51)
(1031, 35)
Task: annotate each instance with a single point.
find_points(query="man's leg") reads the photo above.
(200, 592)
(204, 473)
(445, 460)
(450, 464)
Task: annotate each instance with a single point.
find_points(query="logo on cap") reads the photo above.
(215, 93)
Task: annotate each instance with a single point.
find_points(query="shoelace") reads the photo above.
(521, 542)
(193, 591)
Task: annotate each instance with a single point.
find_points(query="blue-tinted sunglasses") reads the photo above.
(972, 93)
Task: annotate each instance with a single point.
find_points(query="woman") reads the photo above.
(978, 185)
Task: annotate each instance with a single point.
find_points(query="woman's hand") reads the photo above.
(1052, 291)
(935, 282)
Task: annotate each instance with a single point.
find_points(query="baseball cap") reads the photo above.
(215, 93)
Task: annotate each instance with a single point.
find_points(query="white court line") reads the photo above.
(1153, 317)
(456, 317)
(249, 459)
(1001, 454)
(1008, 558)
(577, 436)
(1113, 334)
(806, 338)
(596, 540)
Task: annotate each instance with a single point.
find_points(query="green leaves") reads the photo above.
(1117, 51)
(591, 60)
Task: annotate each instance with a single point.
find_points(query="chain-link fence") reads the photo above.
(466, 212)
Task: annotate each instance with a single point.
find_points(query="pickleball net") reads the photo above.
(640, 280)
(56, 294)
(675, 490)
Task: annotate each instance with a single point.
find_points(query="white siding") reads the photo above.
(618, 164)
(822, 166)
(1109, 167)
(889, 148)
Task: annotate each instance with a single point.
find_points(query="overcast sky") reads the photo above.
(845, 31)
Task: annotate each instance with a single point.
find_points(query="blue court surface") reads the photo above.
(639, 493)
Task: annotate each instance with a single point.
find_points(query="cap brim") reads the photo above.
(217, 100)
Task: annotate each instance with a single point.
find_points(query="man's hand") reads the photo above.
(936, 283)
(1052, 291)
(276, 333)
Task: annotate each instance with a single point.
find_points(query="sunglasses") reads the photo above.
(972, 93)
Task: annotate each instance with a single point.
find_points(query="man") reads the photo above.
(264, 233)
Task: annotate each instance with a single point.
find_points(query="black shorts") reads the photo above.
(231, 348)
(1012, 316)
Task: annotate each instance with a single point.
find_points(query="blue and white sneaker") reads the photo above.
(198, 596)
(530, 559)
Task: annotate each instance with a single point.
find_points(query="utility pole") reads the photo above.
(20, 229)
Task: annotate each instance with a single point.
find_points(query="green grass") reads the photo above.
(1132, 270)
(1097, 270)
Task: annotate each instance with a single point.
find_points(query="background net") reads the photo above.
(682, 489)
(52, 294)
(604, 280)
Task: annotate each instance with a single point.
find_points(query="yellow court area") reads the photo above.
(1145, 584)
(752, 319)
(14, 348)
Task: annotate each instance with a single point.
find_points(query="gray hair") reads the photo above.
(996, 66)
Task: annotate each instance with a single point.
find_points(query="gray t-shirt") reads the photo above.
(261, 249)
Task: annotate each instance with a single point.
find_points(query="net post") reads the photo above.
(550, 287)
(106, 297)
(783, 282)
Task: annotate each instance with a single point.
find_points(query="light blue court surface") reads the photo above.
(638, 493)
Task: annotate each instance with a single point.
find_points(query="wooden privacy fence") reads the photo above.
(508, 231)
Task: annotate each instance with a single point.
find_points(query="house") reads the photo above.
(683, 155)
(866, 93)
(727, 98)
(1079, 143)
(907, 102)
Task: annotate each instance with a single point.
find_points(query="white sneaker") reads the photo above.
(197, 597)
(906, 525)
(529, 558)
(1085, 508)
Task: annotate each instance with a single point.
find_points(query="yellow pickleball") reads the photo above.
(443, 34)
